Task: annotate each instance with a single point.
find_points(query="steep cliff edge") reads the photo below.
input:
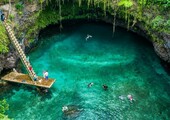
(145, 18)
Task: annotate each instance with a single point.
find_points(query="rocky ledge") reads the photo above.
(163, 50)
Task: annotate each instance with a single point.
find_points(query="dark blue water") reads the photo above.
(126, 63)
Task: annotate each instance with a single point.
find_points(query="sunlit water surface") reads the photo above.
(126, 63)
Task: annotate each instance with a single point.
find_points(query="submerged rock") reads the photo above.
(70, 110)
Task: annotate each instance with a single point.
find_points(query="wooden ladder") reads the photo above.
(22, 55)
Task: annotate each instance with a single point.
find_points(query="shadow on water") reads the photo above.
(43, 93)
(166, 66)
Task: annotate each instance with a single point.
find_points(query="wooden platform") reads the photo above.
(25, 79)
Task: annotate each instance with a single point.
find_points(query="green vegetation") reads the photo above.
(158, 22)
(19, 6)
(16, 1)
(11, 17)
(3, 40)
(4, 1)
(3, 108)
(131, 10)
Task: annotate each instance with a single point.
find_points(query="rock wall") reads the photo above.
(8, 61)
(163, 50)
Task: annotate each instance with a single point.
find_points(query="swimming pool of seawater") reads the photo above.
(125, 62)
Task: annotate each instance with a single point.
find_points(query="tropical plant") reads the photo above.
(19, 6)
(3, 108)
(3, 40)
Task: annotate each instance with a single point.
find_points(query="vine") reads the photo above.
(60, 19)
(79, 2)
(115, 8)
(126, 5)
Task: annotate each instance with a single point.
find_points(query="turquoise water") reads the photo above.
(126, 63)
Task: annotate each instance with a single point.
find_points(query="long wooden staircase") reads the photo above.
(20, 51)
(23, 78)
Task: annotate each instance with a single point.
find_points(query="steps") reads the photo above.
(22, 55)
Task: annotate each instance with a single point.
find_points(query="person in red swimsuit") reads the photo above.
(30, 68)
(130, 98)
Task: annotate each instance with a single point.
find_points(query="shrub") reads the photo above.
(3, 108)
(19, 6)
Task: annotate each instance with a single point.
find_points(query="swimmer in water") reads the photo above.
(90, 84)
(88, 36)
(130, 98)
(64, 108)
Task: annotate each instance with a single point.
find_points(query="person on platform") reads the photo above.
(46, 75)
